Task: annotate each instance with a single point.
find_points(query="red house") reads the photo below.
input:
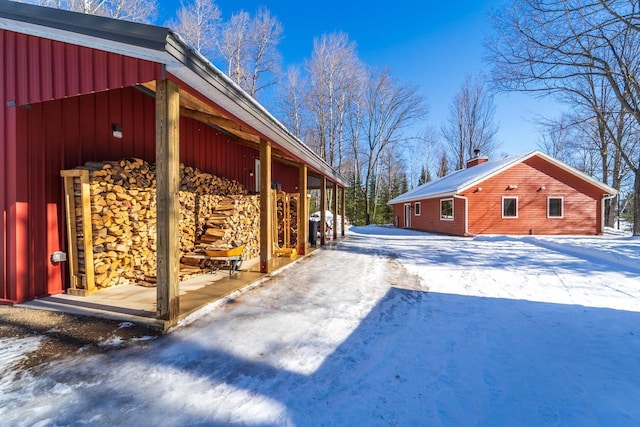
(76, 88)
(526, 194)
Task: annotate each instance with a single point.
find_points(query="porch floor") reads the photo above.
(138, 304)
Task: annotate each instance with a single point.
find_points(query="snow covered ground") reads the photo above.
(390, 327)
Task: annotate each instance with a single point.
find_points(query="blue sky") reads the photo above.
(432, 44)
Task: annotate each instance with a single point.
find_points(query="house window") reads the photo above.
(555, 207)
(416, 210)
(509, 207)
(446, 209)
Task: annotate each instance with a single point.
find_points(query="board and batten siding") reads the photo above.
(536, 181)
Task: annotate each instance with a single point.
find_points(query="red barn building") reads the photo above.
(77, 88)
(527, 194)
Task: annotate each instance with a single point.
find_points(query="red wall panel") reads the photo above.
(287, 175)
(429, 218)
(41, 70)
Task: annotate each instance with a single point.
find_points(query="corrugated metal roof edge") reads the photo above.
(165, 42)
(517, 159)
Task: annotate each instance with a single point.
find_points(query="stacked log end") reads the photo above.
(285, 222)
(214, 212)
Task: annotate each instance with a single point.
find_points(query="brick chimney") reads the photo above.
(477, 160)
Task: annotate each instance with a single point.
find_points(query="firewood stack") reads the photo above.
(293, 222)
(213, 212)
(290, 222)
(225, 222)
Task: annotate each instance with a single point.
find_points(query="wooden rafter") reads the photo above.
(194, 108)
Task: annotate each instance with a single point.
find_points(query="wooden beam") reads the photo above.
(194, 108)
(167, 206)
(344, 211)
(303, 213)
(266, 208)
(323, 209)
(335, 211)
(221, 122)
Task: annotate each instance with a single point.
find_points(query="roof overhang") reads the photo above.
(161, 45)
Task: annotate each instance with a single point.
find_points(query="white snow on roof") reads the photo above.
(458, 180)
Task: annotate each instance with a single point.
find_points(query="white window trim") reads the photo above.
(452, 210)
(549, 207)
(417, 208)
(502, 207)
(407, 218)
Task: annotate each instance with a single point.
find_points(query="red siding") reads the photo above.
(38, 140)
(287, 175)
(38, 69)
(429, 218)
(213, 151)
(582, 202)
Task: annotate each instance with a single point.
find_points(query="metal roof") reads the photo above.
(160, 45)
(461, 180)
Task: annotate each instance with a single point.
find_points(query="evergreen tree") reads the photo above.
(404, 185)
(444, 166)
(425, 176)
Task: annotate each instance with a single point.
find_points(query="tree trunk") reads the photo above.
(636, 201)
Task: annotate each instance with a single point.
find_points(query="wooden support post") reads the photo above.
(335, 211)
(167, 206)
(344, 211)
(81, 275)
(323, 209)
(303, 211)
(266, 208)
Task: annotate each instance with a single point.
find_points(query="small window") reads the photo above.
(509, 207)
(446, 209)
(417, 209)
(555, 207)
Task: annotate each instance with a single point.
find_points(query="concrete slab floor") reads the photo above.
(138, 304)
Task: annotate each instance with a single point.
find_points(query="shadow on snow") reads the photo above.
(417, 359)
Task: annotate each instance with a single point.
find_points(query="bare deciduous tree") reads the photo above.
(335, 81)
(249, 48)
(234, 46)
(546, 46)
(555, 139)
(389, 108)
(290, 100)
(471, 123)
(265, 35)
(197, 22)
(130, 10)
